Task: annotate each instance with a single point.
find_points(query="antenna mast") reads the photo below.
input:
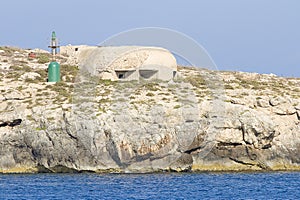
(53, 45)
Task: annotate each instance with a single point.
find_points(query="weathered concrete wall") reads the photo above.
(104, 61)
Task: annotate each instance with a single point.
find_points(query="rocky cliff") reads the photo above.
(204, 120)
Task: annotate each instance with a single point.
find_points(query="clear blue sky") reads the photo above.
(247, 35)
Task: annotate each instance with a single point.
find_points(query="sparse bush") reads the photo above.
(15, 68)
(43, 74)
(22, 62)
(43, 58)
(245, 84)
(9, 51)
(151, 86)
(40, 128)
(177, 106)
(106, 82)
(29, 80)
(103, 101)
(70, 70)
(20, 68)
(228, 87)
(20, 88)
(29, 117)
(62, 89)
(196, 80)
(150, 94)
(46, 93)
(164, 94)
(121, 100)
(26, 68)
(50, 118)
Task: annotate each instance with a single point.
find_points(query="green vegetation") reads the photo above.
(9, 51)
(44, 58)
(15, 68)
(195, 80)
(46, 94)
(121, 100)
(29, 80)
(101, 110)
(150, 94)
(42, 73)
(50, 118)
(63, 90)
(164, 94)
(139, 102)
(40, 128)
(103, 101)
(177, 106)
(20, 88)
(16, 71)
(152, 86)
(106, 82)
(228, 87)
(69, 71)
(29, 117)
(21, 62)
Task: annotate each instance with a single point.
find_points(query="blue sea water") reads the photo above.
(151, 186)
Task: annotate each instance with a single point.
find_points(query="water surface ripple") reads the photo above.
(151, 186)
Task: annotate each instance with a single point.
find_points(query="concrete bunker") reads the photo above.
(148, 73)
(124, 74)
(125, 63)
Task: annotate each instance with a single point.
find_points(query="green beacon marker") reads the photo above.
(53, 67)
(53, 72)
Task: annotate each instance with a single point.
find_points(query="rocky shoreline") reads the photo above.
(202, 121)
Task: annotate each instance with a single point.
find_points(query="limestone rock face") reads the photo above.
(197, 122)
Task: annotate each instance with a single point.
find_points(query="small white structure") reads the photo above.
(124, 62)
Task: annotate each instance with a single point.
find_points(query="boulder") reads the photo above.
(275, 101)
(263, 103)
(30, 75)
(284, 109)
